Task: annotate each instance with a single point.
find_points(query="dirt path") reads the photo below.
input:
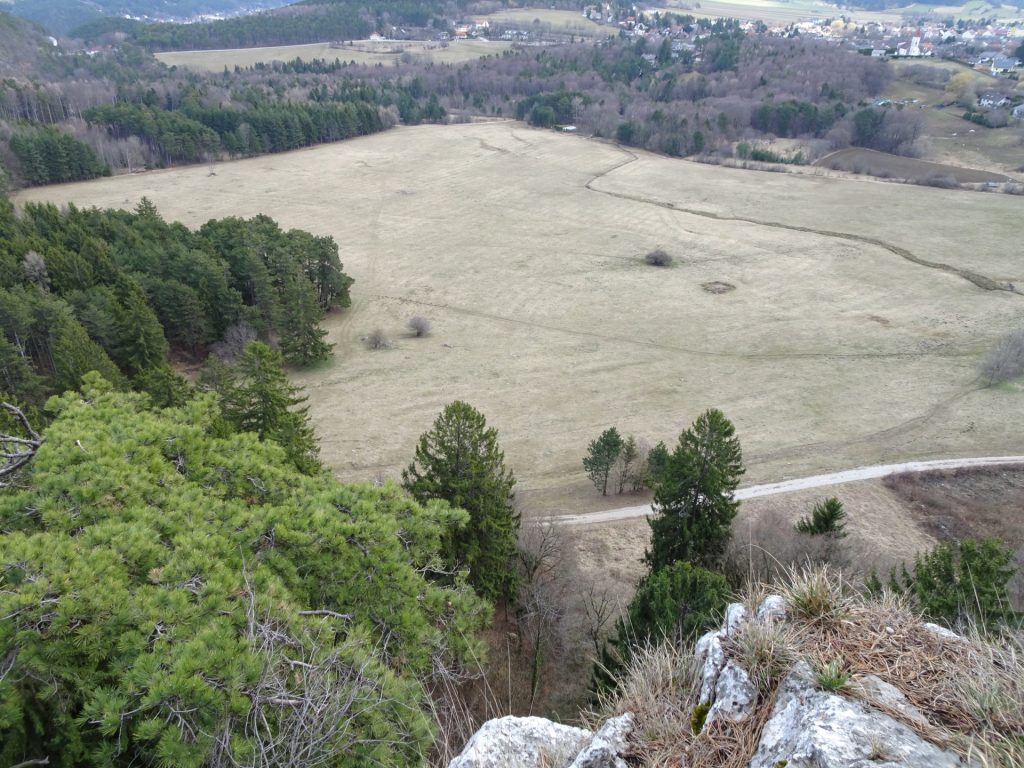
(803, 483)
(982, 281)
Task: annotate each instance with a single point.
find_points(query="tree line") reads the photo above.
(116, 292)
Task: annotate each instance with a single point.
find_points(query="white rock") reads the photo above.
(735, 695)
(883, 694)
(522, 742)
(940, 631)
(735, 617)
(811, 727)
(609, 746)
(772, 608)
(710, 653)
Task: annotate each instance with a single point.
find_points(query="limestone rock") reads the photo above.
(735, 695)
(735, 617)
(883, 694)
(772, 608)
(522, 742)
(711, 654)
(609, 746)
(811, 727)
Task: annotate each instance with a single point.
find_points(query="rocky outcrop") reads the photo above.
(811, 727)
(868, 725)
(533, 742)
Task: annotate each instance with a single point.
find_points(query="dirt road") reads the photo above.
(803, 483)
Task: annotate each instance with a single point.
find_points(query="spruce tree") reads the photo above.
(693, 496)
(256, 397)
(459, 461)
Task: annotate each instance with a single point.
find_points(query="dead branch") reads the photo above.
(16, 452)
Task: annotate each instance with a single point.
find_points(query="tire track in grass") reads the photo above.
(975, 278)
(768, 356)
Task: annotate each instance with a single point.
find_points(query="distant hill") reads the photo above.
(25, 47)
(61, 16)
(302, 22)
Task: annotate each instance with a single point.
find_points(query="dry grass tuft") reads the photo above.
(659, 686)
(765, 651)
(816, 594)
(970, 690)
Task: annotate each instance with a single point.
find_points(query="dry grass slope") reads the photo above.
(521, 247)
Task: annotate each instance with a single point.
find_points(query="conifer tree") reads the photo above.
(256, 397)
(693, 496)
(459, 461)
(601, 457)
(827, 518)
(183, 599)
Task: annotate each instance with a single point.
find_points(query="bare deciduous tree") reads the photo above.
(541, 597)
(601, 612)
(35, 270)
(236, 337)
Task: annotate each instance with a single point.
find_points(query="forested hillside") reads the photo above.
(117, 292)
(60, 16)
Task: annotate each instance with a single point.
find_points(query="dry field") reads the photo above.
(358, 51)
(870, 161)
(776, 11)
(524, 248)
(569, 22)
(953, 140)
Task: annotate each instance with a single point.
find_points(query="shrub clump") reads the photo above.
(940, 180)
(1006, 359)
(377, 340)
(419, 326)
(659, 258)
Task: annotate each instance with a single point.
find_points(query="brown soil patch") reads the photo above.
(959, 504)
(884, 165)
(717, 286)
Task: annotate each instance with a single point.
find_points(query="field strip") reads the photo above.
(983, 282)
(629, 341)
(889, 432)
(803, 483)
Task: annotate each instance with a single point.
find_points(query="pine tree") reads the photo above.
(693, 498)
(186, 599)
(827, 518)
(256, 397)
(459, 461)
(676, 603)
(601, 457)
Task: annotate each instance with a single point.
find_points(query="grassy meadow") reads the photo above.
(359, 51)
(524, 249)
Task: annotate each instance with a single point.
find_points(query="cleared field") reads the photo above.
(524, 248)
(859, 160)
(570, 22)
(950, 138)
(358, 51)
(775, 11)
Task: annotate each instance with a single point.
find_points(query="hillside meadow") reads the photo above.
(369, 52)
(848, 333)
